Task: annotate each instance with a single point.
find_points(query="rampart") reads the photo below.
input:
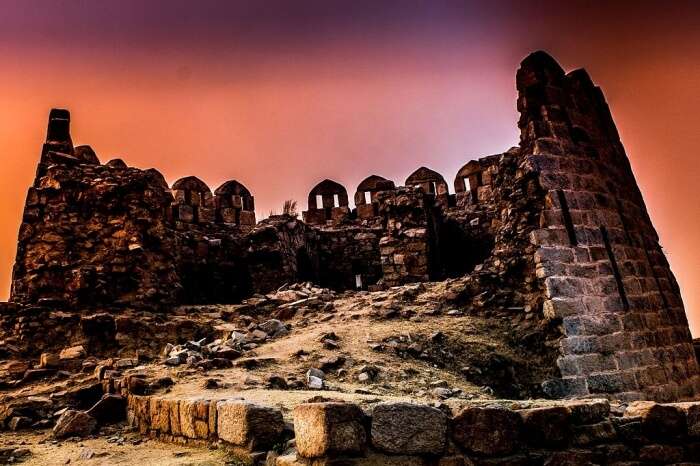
(556, 225)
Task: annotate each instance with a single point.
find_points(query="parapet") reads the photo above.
(431, 182)
(193, 201)
(327, 204)
(234, 204)
(366, 195)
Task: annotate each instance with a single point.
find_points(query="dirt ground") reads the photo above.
(105, 450)
(416, 345)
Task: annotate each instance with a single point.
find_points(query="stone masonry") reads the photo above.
(556, 225)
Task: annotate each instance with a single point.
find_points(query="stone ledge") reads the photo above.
(483, 432)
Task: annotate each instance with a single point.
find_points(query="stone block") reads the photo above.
(74, 424)
(248, 425)
(658, 421)
(139, 412)
(194, 421)
(185, 213)
(487, 431)
(247, 218)
(206, 215)
(49, 360)
(565, 387)
(548, 427)
(228, 214)
(174, 412)
(160, 415)
(323, 429)
(74, 352)
(590, 434)
(588, 411)
(692, 414)
(410, 429)
(661, 454)
(365, 211)
(612, 382)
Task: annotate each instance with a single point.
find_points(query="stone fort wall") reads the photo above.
(556, 225)
(605, 275)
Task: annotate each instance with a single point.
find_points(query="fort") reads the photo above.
(547, 247)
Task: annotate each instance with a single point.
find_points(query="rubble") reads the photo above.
(74, 424)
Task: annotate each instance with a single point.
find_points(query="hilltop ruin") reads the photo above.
(548, 243)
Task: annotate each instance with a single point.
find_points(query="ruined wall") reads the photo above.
(409, 242)
(606, 278)
(554, 232)
(408, 434)
(345, 253)
(94, 235)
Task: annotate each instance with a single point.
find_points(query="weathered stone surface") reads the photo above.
(405, 428)
(328, 429)
(49, 360)
(74, 352)
(74, 423)
(248, 425)
(658, 421)
(692, 412)
(546, 427)
(487, 431)
(194, 418)
(661, 454)
(588, 411)
(139, 414)
(160, 414)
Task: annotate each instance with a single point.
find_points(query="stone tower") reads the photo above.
(605, 275)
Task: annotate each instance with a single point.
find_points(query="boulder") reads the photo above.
(274, 327)
(410, 429)
(249, 425)
(487, 431)
(331, 428)
(74, 352)
(74, 423)
(19, 422)
(49, 361)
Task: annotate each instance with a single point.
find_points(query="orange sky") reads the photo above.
(280, 99)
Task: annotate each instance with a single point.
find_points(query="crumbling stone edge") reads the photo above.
(393, 433)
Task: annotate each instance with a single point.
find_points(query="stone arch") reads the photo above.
(194, 202)
(468, 178)
(365, 195)
(234, 204)
(190, 183)
(327, 190)
(333, 198)
(372, 184)
(429, 180)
